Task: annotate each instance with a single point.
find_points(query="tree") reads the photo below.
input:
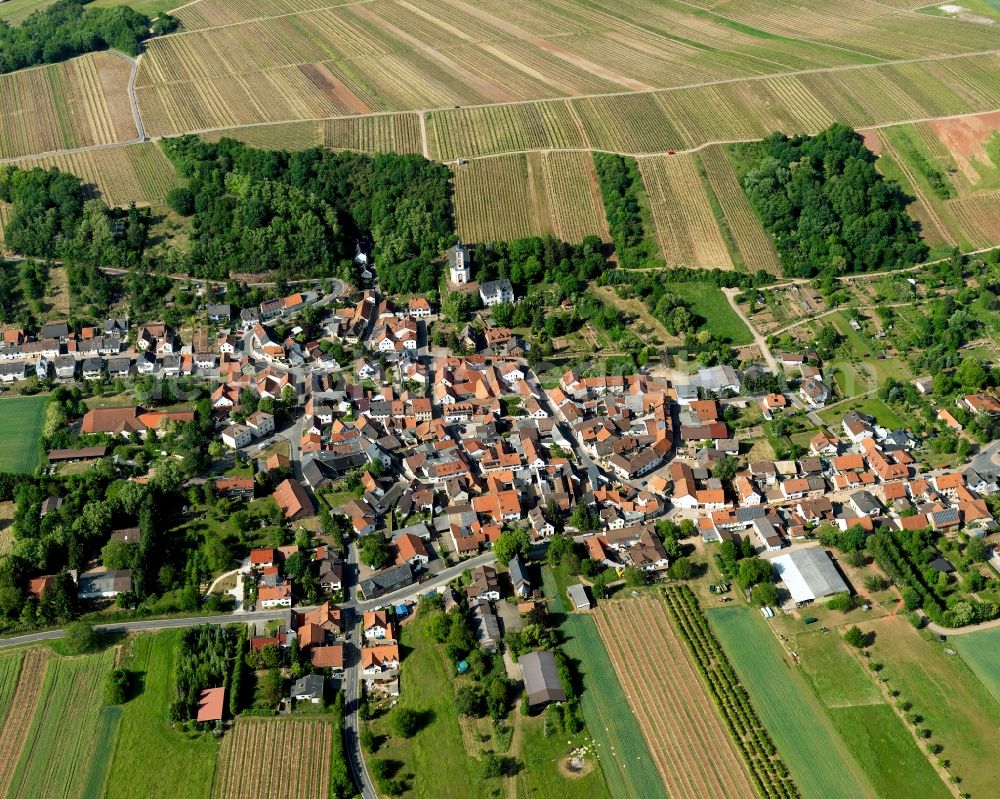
(764, 594)
(855, 637)
(559, 545)
(374, 551)
(681, 569)
(117, 555)
(405, 722)
(752, 571)
(515, 541)
(633, 577)
(116, 687)
(469, 701)
(81, 638)
(975, 550)
(726, 468)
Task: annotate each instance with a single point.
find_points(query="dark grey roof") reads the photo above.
(518, 570)
(310, 685)
(55, 330)
(541, 678)
(946, 516)
(387, 580)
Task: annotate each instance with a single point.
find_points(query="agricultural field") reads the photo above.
(25, 696)
(6, 528)
(686, 228)
(740, 110)
(625, 759)
(152, 760)
(820, 763)
(10, 672)
(955, 705)
(671, 703)
(119, 175)
(867, 724)
(246, 62)
(21, 420)
(981, 651)
(77, 103)
(529, 195)
(754, 248)
(56, 756)
(952, 169)
(273, 759)
(398, 133)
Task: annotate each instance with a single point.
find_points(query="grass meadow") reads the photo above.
(21, 420)
(711, 304)
(820, 762)
(151, 760)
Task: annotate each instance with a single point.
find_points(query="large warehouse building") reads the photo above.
(809, 574)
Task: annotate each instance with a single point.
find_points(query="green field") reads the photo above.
(871, 729)
(981, 651)
(807, 741)
(959, 709)
(10, 669)
(873, 406)
(151, 759)
(62, 741)
(21, 420)
(711, 304)
(100, 763)
(625, 759)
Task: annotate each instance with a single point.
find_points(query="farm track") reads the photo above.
(16, 725)
(674, 710)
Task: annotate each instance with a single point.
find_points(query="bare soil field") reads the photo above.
(675, 712)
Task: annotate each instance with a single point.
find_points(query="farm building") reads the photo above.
(809, 574)
(541, 678)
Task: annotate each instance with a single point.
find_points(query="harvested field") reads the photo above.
(673, 707)
(15, 727)
(529, 195)
(686, 228)
(139, 172)
(77, 103)
(965, 139)
(56, 756)
(274, 759)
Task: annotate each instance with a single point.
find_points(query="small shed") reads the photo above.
(579, 597)
(211, 704)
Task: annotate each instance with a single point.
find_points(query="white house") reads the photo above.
(237, 436)
(260, 424)
(494, 292)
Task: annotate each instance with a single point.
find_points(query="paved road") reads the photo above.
(986, 461)
(412, 592)
(758, 338)
(149, 625)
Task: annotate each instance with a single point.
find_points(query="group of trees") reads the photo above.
(825, 205)
(621, 187)
(51, 217)
(205, 658)
(67, 28)
(304, 212)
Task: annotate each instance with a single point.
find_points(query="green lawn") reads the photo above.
(21, 420)
(625, 759)
(152, 759)
(981, 650)
(872, 406)
(871, 729)
(819, 761)
(541, 751)
(61, 742)
(708, 302)
(435, 762)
